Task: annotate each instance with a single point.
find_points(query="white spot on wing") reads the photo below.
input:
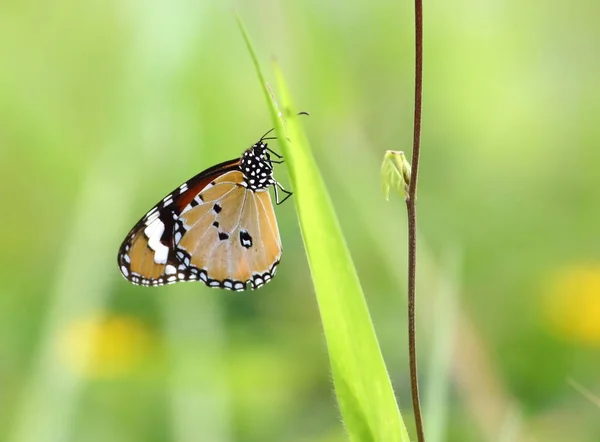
(124, 271)
(150, 218)
(170, 270)
(154, 232)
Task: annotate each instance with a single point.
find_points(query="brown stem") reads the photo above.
(412, 219)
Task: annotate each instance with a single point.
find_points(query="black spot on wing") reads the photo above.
(223, 236)
(245, 239)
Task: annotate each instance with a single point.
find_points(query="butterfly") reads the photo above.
(219, 227)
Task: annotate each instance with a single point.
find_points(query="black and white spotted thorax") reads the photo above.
(257, 168)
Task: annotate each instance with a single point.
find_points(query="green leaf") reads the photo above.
(361, 381)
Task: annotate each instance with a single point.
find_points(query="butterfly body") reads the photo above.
(218, 227)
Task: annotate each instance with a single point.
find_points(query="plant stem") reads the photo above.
(412, 219)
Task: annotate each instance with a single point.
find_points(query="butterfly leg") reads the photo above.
(275, 153)
(278, 187)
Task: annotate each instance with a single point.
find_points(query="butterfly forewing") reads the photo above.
(147, 256)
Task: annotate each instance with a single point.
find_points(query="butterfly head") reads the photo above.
(257, 168)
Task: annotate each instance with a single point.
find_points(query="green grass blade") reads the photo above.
(440, 359)
(361, 381)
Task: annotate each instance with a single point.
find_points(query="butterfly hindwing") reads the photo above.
(222, 238)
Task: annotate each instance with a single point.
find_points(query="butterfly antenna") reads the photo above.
(267, 133)
(264, 137)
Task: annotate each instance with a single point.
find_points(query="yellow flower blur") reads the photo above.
(572, 304)
(104, 347)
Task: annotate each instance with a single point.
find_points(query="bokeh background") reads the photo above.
(107, 106)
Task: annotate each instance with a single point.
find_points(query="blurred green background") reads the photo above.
(107, 106)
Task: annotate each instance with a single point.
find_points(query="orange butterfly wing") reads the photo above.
(146, 256)
(219, 228)
(231, 240)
